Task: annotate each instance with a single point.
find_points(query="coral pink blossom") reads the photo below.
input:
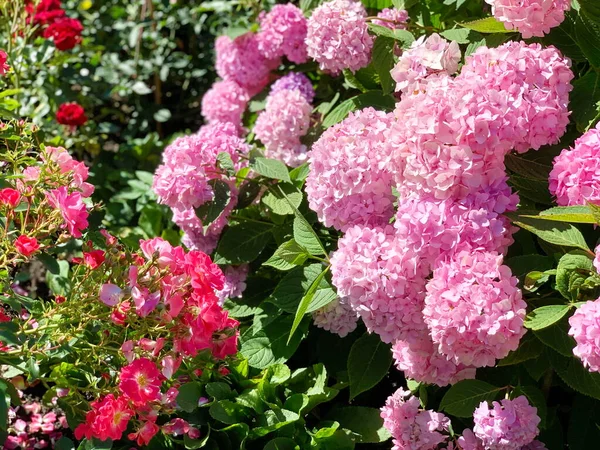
(144, 434)
(351, 178)
(4, 67)
(92, 259)
(585, 329)
(280, 126)
(26, 245)
(108, 419)
(530, 17)
(412, 427)
(338, 36)
(282, 33)
(72, 209)
(10, 197)
(575, 177)
(510, 424)
(474, 309)
(140, 381)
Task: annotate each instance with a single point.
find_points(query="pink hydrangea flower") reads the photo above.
(419, 359)
(235, 282)
(282, 33)
(280, 126)
(533, 81)
(338, 36)
(509, 425)
(182, 186)
(427, 55)
(72, 209)
(575, 177)
(597, 258)
(395, 19)
(585, 329)
(383, 280)
(293, 81)
(140, 381)
(351, 178)
(412, 427)
(530, 17)
(474, 309)
(225, 101)
(337, 317)
(241, 61)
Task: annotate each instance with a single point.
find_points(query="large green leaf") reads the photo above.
(294, 286)
(376, 99)
(572, 372)
(584, 99)
(466, 395)
(584, 423)
(487, 25)
(545, 316)
(275, 199)
(308, 299)
(290, 254)
(366, 422)
(210, 211)
(557, 337)
(557, 233)
(383, 60)
(369, 361)
(270, 168)
(243, 242)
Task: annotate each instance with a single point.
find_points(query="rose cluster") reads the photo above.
(49, 15)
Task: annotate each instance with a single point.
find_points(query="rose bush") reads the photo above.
(384, 235)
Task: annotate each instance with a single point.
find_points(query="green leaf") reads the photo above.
(523, 264)
(366, 422)
(226, 163)
(249, 190)
(584, 100)
(219, 390)
(281, 443)
(228, 412)
(383, 60)
(377, 4)
(307, 300)
(460, 35)
(487, 25)
(588, 38)
(530, 347)
(466, 395)
(573, 270)
(557, 233)
(368, 362)
(405, 37)
(293, 287)
(59, 283)
(269, 345)
(289, 255)
(583, 423)
(151, 220)
(275, 199)
(545, 316)
(572, 214)
(591, 8)
(308, 5)
(64, 443)
(306, 236)
(243, 242)
(210, 211)
(188, 396)
(270, 168)
(557, 338)
(376, 99)
(527, 168)
(572, 372)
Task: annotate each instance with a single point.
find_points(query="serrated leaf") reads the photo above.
(188, 396)
(275, 199)
(530, 347)
(306, 236)
(289, 255)
(383, 60)
(376, 99)
(460, 35)
(243, 242)
(487, 25)
(557, 338)
(307, 300)
(365, 422)
(584, 99)
(270, 168)
(466, 395)
(210, 211)
(226, 163)
(368, 362)
(570, 266)
(572, 372)
(557, 233)
(545, 316)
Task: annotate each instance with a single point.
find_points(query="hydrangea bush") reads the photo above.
(387, 238)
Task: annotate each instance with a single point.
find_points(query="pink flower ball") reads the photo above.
(398, 18)
(442, 228)
(412, 427)
(337, 317)
(530, 17)
(575, 177)
(383, 280)
(474, 309)
(235, 282)
(509, 425)
(585, 329)
(532, 85)
(351, 178)
(225, 101)
(280, 126)
(282, 33)
(427, 55)
(597, 258)
(338, 36)
(419, 359)
(241, 61)
(183, 186)
(292, 81)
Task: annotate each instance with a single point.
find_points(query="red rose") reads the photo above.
(91, 259)
(3, 66)
(66, 33)
(71, 114)
(10, 197)
(47, 12)
(26, 245)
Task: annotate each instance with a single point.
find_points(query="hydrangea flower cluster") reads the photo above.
(474, 309)
(585, 329)
(530, 17)
(187, 177)
(426, 56)
(235, 282)
(295, 81)
(52, 190)
(225, 102)
(574, 177)
(338, 36)
(336, 317)
(282, 33)
(509, 424)
(280, 126)
(240, 60)
(412, 427)
(351, 178)
(392, 18)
